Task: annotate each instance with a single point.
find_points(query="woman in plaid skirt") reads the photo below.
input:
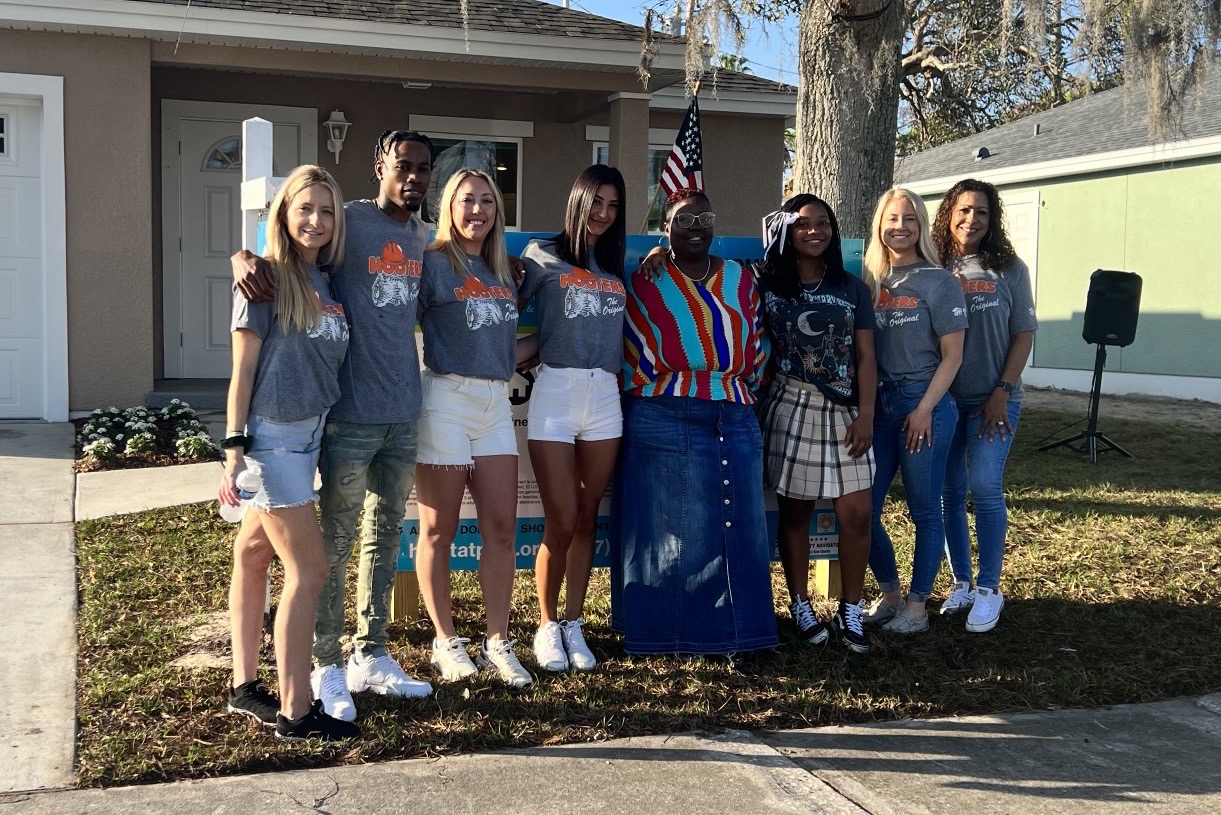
(817, 416)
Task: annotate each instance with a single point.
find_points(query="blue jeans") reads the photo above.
(923, 479)
(978, 465)
(369, 467)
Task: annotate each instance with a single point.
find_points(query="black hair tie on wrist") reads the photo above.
(237, 440)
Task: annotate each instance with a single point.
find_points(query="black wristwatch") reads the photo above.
(1005, 386)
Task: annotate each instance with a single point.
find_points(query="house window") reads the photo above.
(658, 153)
(498, 157)
(225, 155)
(3, 134)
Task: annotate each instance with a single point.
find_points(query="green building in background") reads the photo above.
(1086, 187)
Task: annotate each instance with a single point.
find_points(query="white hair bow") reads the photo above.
(776, 228)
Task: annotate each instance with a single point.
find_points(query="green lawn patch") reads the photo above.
(1113, 586)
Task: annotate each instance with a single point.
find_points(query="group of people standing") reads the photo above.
(649, 378)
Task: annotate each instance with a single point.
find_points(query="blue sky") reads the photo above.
(771, 48)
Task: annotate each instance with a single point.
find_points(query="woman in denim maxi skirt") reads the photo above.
(690, 567)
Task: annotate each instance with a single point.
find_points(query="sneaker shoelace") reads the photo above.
(334, 684)
(454, 649)
(804, 615)
(576, 639)
(852, 619)
(501, 653)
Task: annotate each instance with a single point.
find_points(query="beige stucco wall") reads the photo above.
(112, 118)
(110, 273)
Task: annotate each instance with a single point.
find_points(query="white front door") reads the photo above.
(201, 227)
(22, 286)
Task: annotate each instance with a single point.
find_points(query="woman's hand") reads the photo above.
(235, 462)
(919, 428)
(654, 263)
(859, 437)
(995, 413)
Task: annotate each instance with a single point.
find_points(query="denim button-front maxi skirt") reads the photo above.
(690, 560)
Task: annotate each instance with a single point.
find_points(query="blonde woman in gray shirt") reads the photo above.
(468, 307)
(920, 321)
(286, 358)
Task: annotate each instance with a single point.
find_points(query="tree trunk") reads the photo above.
(848, 105)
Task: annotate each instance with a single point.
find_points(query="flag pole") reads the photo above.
(644, 226)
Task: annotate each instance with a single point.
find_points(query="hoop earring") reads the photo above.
(663, 243)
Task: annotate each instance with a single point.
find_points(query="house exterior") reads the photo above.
(119, 159)
(1085, 187)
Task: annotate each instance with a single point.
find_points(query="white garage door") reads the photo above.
(22, 321)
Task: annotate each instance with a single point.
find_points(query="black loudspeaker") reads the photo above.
(1111, 308)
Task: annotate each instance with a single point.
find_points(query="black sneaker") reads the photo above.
(808, 626)
(315, 724)
(254, 700)
(849, 629)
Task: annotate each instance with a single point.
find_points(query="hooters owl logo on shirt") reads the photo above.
(587, 295)
(485, 305)
(332, 323)
(396, 279)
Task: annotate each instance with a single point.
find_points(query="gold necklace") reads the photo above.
(701, 278)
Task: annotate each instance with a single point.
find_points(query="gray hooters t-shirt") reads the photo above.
(998, 306)
(580, 311)
(919, 304)
(298, 372)
(378, 282)
(469, 319)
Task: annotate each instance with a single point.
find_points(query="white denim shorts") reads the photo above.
(286, 455)
(464, 417)
(575, 404)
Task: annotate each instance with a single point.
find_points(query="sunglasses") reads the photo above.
(686, 220)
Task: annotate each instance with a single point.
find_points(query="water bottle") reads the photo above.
(248, 482)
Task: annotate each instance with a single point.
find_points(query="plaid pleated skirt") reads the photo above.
(803, 444)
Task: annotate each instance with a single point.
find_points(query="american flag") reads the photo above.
(685, 166)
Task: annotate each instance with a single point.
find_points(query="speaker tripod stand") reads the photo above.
(1088, 441)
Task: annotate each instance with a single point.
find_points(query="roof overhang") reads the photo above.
(218, 26)
(781, 104)
(1133, 157)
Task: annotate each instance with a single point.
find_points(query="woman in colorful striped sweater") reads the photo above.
(690, 571)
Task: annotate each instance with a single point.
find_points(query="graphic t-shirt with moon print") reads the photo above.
(812, 336)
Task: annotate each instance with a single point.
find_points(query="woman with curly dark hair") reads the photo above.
(969, 233)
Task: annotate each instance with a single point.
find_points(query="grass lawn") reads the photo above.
(1112, 579)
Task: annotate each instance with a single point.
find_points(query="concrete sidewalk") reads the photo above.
(1155, 759)
(38, 606)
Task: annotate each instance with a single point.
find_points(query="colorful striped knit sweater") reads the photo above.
(703, 340)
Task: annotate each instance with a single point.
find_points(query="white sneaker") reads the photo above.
(579, 655)
(907, 623)
(961, 598)
(986, 612)
(881, 610)
(498, 654)
(385, 676)
(549, 648)
(331, 688)
(450, 659)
